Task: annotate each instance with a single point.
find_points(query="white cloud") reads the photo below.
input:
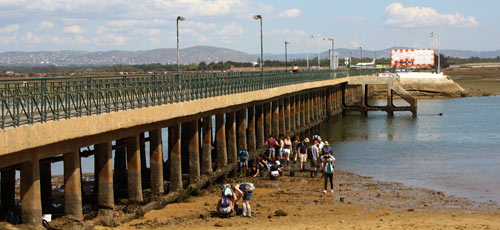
(74, 29)
(9, 29)
(31, 38)
(45, 25)
(412, 17)
(291, 13)
(232, 29)
(8, 39)
(111, 39)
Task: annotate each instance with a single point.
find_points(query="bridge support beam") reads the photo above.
(268, 119)
(282, 127)
(46, 186)
(252, 146)
(120, 167)
(174, 147)
(276, 117)
(220, 141)
(104, 158)
(72, 185)
(144, 170)
(31, 205)
(134, 183)
(156, 161)
(190, 130)
(303, 106)
(292, 123)
(288, 115)
(232, 150)
(206, 153)
(241, 120)
(8, 190)
(259, 126)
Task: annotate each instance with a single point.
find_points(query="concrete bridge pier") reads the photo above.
(290, 117)
(104, 172)
(156, 161)
(252, 141)
(275, 118)
(303, 106)
(206, 154)
(241, 120)
(260, 136)
(174, 147)
(220, 141)
(190, 130)
(144, 170)
(232, 148)
(120, 168)
(390, 106)
(134, 171)
(31, 206)
(282, 128)
(72, 185)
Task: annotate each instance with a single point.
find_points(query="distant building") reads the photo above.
(9, 72)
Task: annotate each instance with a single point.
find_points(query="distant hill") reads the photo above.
(190, 55)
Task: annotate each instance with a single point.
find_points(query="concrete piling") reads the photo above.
(288, 116)
(72, 185)
(174, 147)
(275, 131)
(120, 167)
(220, 141)
(134, 171)
(231, 138)
(105, 196)
(252, 146)
(206, 153)
(282, 128)
(31, 205)
(241, 120)
(267, 120)
(156, 161)
(46, 186)
(259, 126)
(190, 130)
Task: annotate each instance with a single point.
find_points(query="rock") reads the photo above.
(342, 199)
(218, 225)
(280, 212)
(202, 216)
(258, 205)
(269, 217)
(207, 204)
(411, 210)
(342, 221)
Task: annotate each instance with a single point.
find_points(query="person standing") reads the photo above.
(287, 148)
(243, 163)
(295, 146)
(303, 152)
(314, 158)
(246, 192)
(328, 166)
(271, 144)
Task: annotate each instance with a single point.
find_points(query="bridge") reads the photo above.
(209, 116)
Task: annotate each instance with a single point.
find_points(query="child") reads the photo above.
(328, 161)
(246, 191)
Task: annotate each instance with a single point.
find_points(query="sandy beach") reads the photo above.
(357, 203)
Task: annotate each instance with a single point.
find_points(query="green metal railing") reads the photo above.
(34, 100)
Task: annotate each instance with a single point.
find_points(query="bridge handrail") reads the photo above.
(34, 100)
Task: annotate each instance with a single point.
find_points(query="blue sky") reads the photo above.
(39, 25)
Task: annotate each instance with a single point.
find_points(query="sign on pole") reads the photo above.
(412, 57)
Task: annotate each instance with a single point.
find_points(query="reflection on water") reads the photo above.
(458, 153)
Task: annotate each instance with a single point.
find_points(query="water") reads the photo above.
(457, 153)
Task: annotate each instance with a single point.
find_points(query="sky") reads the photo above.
(101, 25)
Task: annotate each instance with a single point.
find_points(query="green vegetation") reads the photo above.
(212, 66)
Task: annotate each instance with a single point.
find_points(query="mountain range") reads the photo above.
(190, 55)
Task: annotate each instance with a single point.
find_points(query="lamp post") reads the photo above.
(286, 56)
(259, 17)
(179, 18)
(439, 51)
(317, 41)
(307, 55)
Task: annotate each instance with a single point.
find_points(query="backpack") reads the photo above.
(224, 187)
(225, 201)
(243, 153)
(247, 187)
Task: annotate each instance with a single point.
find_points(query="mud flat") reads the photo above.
(358, 202)
(477, 81)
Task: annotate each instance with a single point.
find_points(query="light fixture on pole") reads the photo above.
(317, 41)
(286, 56)
(361, 53)
(259, 17)
(179, 18)
(439, 51)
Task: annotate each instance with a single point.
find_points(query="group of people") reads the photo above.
(280, 150)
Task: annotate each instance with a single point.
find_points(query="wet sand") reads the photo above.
(357, 203)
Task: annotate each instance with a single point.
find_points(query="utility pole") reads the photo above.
(179, 18)
(439, 51)
(259, 17)
(286, 56)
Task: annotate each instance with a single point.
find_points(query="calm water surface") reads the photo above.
(457, 153)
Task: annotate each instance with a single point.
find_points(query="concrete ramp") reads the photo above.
(393, 86)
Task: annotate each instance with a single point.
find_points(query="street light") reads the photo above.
(331, 55)
(179, 18)
(286, 56)
(317, 41)
(307, 54)
(439, 50)
(259, 17)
